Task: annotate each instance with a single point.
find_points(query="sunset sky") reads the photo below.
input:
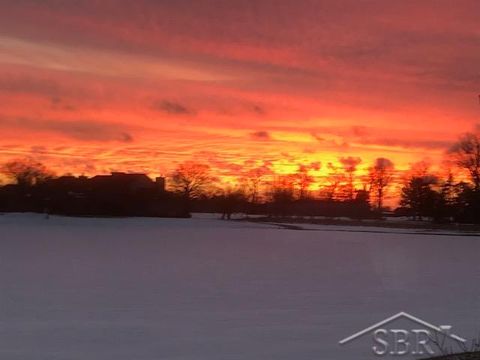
(94, 86)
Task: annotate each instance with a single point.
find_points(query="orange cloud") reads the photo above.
(116, 85)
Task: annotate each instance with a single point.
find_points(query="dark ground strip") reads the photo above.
(409, 230)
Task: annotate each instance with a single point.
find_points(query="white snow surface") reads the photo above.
(206, 289)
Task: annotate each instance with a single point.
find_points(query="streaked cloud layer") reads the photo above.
(94, 86)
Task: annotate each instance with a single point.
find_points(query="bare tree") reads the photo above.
(333, 181)
(231, 200)
(253, 181)
(26, 172)
(303, 180)
(191, 179)
(380, 175)
(282, 194)
(466, 153)
(350, 165)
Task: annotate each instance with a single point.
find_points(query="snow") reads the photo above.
(202, 288)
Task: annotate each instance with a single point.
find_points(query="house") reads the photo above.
(117, 194)
(127, 182)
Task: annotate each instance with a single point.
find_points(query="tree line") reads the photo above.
(454, 196)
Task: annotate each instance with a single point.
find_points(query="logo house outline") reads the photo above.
(439, 329)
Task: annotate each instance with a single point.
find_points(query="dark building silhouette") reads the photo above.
(130, 183)
(133, 194)
(117, 194)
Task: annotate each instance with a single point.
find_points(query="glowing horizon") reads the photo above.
(94, 87)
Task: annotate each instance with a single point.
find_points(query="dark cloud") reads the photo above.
(16, 84)
(350, 163)
(84, 130)
(360, 131)
(30, 85)
(259, 110)
(260, 135)
(125, 137)
(55, 100)
(339, 144)
(316, 165)
(59, 104)
(38, 149)
(54, 90)
(317, 137)
(172, 107)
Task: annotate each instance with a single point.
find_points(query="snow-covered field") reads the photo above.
(151, 289)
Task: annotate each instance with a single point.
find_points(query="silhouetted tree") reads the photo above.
(418, 196)
(282, 195)
(467, 205)
(380, 176)
(231, 201)
(446, 201)
(350, 165)
(303, 180)
(26, 172)
(361, 205)
(190, 179)
(253, 181)
(333, 181)
(466, 153)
